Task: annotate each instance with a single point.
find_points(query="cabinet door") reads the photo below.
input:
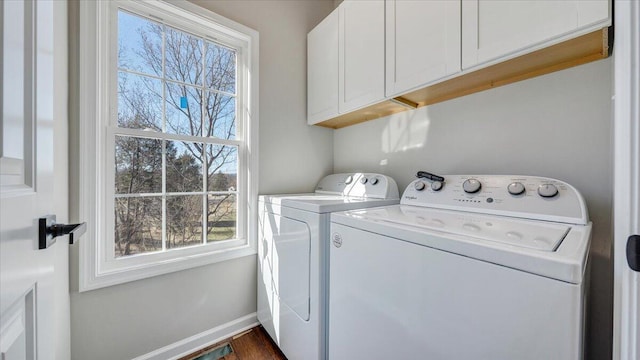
(322, 70)
(423, 42)
(493, 29)
(361, 53)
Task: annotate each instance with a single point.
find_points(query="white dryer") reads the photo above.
(292, 257)
(472, 267)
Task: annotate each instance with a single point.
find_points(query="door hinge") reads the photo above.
(633, 252)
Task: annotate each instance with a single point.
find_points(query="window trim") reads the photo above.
(96, 88)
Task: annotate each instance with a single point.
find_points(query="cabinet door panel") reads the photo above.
(322, 70)
(423, 42)
(361, 53)
(590, 12)
(493, 29)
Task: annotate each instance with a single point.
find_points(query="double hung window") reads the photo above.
(174, 176)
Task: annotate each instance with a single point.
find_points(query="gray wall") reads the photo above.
(557, 125)
(128, 320)
(293, 156)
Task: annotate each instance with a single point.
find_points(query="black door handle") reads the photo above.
(48, 230)
(633, 252)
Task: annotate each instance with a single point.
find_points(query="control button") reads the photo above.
(419, 185)
(515, 188)
(374, 181)
(547, 190)
(348, 180)
(363, 180)
(471, 186)
(436, 186)
(489, 200)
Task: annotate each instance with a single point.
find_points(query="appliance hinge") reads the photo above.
(633, 252)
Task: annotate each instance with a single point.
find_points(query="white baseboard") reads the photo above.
(196, 342)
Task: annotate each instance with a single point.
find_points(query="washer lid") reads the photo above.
(527, 234)
(557, 251)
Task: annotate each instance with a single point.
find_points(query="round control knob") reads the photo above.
(547, 190)
(471, 186)
(363, 180)
(436, 186)
(419, 185)
(374, 181)
(348, 180)
(515, 188)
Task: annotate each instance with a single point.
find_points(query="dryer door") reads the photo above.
(290, 261)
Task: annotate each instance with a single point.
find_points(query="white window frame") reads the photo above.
(98, 266)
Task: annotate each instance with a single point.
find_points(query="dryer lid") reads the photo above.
(323, 203)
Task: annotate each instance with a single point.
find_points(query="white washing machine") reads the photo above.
(472, 267)
(292, 257)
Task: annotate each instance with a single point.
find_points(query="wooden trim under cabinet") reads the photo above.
(581, 50)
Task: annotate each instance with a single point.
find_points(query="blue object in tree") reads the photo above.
(183, 102)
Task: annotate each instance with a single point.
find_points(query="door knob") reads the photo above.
(48, 230)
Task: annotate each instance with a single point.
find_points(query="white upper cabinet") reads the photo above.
(423, 43)
(419, 52)
(361, 53)
(498, 29)
(322, 70)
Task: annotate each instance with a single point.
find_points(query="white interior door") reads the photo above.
(30, 324)
(626, 338)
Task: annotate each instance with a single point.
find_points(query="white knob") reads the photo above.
(363, 180)
(419, 185)
(471, 186)
(374, 181)
(547, 190)
(436, 185)
(348, 180)
(515, 188)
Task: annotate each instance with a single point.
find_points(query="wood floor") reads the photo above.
(254, 344)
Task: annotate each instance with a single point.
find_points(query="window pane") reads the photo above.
(184, 166)
(183, 60)
(221, 217)
(138, 225)
(220, 115)
(139, 102)
(220, 68)
(184, 110)
(138, 165)
(139, 44)
(184, 221)
(222, 168)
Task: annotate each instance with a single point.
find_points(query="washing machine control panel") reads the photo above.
(529, 197)
(365, 185)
